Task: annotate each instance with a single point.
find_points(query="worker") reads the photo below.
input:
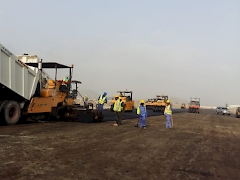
(65, 80)
(168, 113)
(142, 112)
(101, 100)
(85, 100)
(63, 86)
(117, 108)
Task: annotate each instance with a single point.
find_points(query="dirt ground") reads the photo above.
(200, 146)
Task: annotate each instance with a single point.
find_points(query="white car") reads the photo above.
(222, 110)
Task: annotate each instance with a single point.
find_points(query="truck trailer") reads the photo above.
(18, 84)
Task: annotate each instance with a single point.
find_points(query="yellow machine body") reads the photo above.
(50, 97)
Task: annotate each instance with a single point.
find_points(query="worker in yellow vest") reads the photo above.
(117, 108)
(63, 87)
(65, 80)
(142, 112)
(168, 113)
(101, 100)
(85, 100)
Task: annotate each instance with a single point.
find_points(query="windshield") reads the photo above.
(225, 108)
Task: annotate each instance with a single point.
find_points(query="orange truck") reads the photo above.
(194, 105)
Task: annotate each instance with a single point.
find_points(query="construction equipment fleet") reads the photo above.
(126, 97)
(25, 94)
(194, 105)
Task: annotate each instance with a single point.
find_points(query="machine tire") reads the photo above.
(12, 112)
(133, 108)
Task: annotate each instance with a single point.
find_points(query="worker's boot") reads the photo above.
(115, 124)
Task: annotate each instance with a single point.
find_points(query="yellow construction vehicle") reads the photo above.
(126, 97)
(183, 106)
(150, 103)
(160, 104)
(56, 99)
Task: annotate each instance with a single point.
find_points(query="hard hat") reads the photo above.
(116, 95)
(142, 101)
(168, 101)
(105, 93)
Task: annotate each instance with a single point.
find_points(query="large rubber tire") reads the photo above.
(12, 112)
(133, 108)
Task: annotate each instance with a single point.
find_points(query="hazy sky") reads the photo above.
(187, 48)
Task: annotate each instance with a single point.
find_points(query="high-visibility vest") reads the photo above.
(101, 99)
(138, 109)
(168, 110)
(65, 81)
(117, 106)
(85, 98)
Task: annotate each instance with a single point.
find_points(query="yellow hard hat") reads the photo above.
(168, 101)
(142, 101)
(116, 95)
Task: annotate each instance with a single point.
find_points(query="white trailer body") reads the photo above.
(34, 59)
(18, 84)
(17, 76)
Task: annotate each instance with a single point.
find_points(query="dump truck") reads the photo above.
(160, 104)
(183, 106)
(194, 105)
(126, 97)
(18, 83)
(26, 96)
